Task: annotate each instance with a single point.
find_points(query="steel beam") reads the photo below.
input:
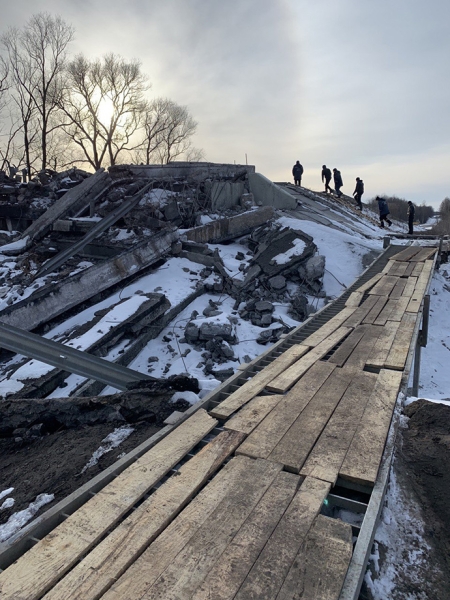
(66, 358)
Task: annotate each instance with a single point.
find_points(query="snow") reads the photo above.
(6, 493)
(8, 503)
(15, 246)
(297, 250)
(401, 533)
(190, 397)
(110, 442)
(17, 520)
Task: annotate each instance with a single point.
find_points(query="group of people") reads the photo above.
(297, 172)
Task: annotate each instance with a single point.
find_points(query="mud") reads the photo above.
(53, 463)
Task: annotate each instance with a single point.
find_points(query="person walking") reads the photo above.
(359, 191)
(326, 178)
(338, 183)
(411, 213)
(384, 211)
(297, 172)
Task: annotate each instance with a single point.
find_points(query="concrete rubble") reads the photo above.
(180, 210)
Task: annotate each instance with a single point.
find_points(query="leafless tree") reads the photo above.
(168, 130)
(37, 57)
(104, 106)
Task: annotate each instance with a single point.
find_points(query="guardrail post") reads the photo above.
(422, 340)
(386, 241)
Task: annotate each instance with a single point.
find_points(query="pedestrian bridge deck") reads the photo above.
(242, 517)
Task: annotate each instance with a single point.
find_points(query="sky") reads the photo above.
(358, 85)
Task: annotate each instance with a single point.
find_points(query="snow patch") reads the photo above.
(110, 442)
(21, 518)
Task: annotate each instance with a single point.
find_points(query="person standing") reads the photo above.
(297, 172)
(338, 183)
(326, 178)
(359, 191)
(384, 211)
(411, 213)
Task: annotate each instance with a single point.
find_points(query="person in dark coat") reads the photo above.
(338, 183)
(359, 191)
(326, 178)
(384, 211)
(297, 172)
(411, 213)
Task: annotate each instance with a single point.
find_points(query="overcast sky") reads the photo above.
(360, 85)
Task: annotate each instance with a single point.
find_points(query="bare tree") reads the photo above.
(104, 106)
(37, 56)
(168, 130)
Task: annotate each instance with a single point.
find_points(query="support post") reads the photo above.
(386, 241)
(416, 373)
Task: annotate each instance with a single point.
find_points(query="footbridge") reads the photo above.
(244, 498)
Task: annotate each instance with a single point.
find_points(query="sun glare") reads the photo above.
(105, 111)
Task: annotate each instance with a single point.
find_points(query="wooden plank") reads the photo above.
(287, 379)
(361, 312)
(369, 284)
(407, 253)
(108, 561)
(319, 569)
(256, 384)
(187, 571)
(395, 268)
(269, 432)
(355, 299)
(385, 286)
(397, 292)
(328, 454)
(375, 310)
(251, 415)
(383, 345)
(409, 287)
(393, 311)
(225, 579)
(329, 327)
(144, 571)
(409, 269)
(44, 564)
(398, 353)
(348, 345)
(363, 350)
(294, 447)
(424, 254)
(417, 269)
(364, 456)
(272, 566)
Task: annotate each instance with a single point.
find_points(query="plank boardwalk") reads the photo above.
(241, 517)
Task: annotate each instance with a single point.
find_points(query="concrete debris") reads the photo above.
(182, 209)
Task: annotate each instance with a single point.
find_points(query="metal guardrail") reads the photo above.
(67, 358)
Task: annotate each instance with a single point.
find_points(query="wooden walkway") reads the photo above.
(242, 518)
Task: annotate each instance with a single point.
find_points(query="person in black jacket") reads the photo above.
(411, 213)
(384, 211)
(326, 178)
(338, 183)
(297, 172)
(359, 191)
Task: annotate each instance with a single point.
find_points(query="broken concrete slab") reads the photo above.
(73, 201)
(198, 171)
(55, 299)
(226, 194)
(267, 193)
(283, 250)
(230, 228)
